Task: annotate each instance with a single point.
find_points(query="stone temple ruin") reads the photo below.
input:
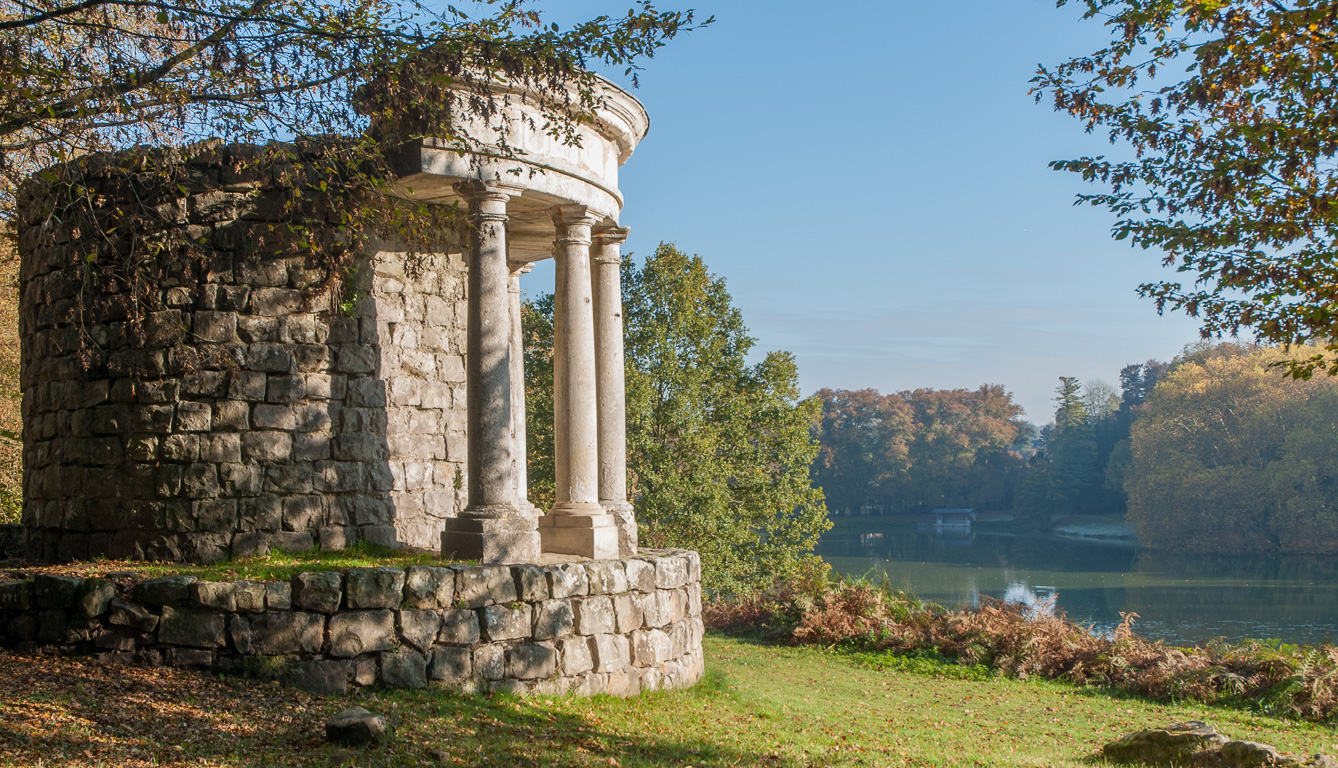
(255, 416)
(257, 407)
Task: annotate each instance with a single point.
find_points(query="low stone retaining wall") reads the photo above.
(607, 626)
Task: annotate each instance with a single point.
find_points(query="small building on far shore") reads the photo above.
(954, 519)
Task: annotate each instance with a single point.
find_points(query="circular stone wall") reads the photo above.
(245, 410)
(611, 626)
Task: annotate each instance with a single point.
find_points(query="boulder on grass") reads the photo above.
(356, 726)
(1175, 743)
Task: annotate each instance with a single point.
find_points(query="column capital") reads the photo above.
(606, 242)
(573, 224)
(486, 199)
(519, 268)
(610, 235)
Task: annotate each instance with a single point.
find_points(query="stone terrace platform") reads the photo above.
(584, 626)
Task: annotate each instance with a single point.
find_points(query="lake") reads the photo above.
(1179, 598)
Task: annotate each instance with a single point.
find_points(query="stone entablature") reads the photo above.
(587, 627)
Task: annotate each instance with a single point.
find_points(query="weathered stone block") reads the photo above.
(319, 676)
(404, 669)
(95, 597)
(317, 591)
(610, 652)
(477, 586)
(694, 591)
(654, 608)
(531, 583)
(640, 575)
(239, 632)
(452, 666)
(53, 591)
(303, 513)
(219, 595)
(595, 616)
(459, 627)
(574, 654)
(374, 588)
(278, 595)
(359, 632)
(650, 647)
(503, 622)
(419, 628)
(553, 619)
(132, 615)
(429, 588)
(16, 596)
(189, 657)
(193, 417)
(274, 634)
(567, 580)
(607, 577)
(671, 572)
(22, 627)
(165, 590)
(366, 671)
(531, 662)
(627, 612)
(185, 626)
(490, 662)
(267, 446)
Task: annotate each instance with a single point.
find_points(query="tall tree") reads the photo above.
(864, 439)
(718, 450)
(1229, 457)
(1232, 173)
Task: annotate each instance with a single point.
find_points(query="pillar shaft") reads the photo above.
(577, 415)
(577, 524)
(610, 382)
(519, 459)
(491, 528)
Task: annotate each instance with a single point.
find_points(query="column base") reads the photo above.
(492, 540)
(592, 536)
(625, 518)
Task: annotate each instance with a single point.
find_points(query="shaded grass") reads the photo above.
(760, 705)
(275, 566)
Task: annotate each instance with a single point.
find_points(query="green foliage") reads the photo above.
(103, 74)
(718, 450)
(1228, 457)
(537, 328)
(1228, 106)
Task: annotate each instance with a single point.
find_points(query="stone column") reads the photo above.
(611, 387)
(519, 462)
(491, 528)
(577, 524)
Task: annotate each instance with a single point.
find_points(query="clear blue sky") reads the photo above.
(870, 179)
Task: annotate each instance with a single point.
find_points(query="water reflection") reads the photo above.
(1179, 598)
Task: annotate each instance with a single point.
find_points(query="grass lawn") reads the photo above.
(275, 566)
(761, 706)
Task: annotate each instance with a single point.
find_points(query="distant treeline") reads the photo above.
(1216, 451)
(921, 449)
